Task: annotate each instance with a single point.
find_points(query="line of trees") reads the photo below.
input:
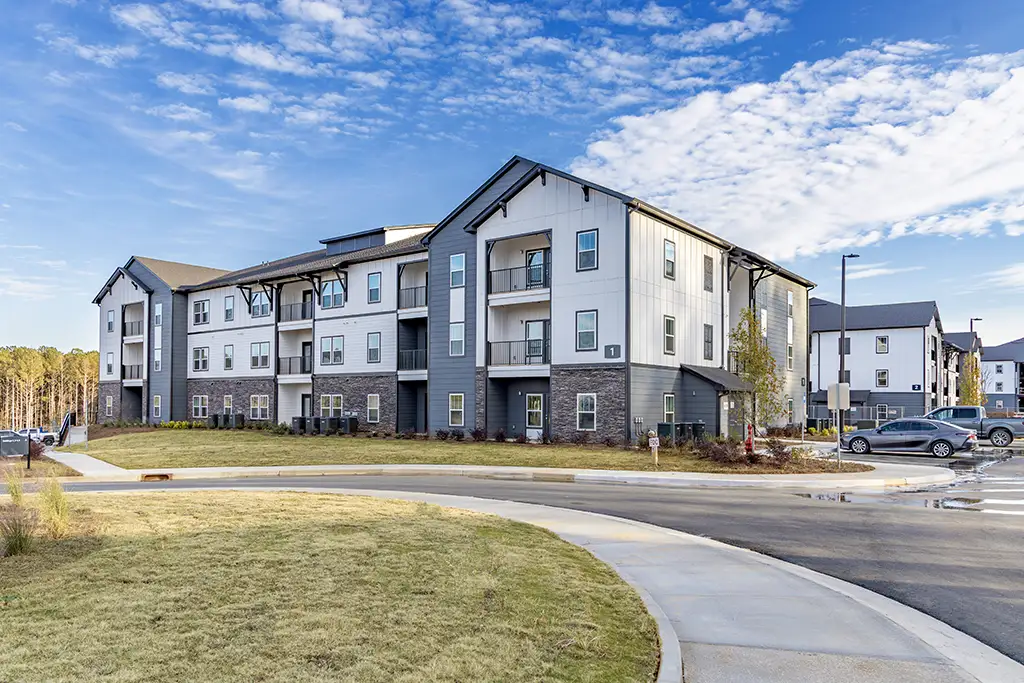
(37, 386)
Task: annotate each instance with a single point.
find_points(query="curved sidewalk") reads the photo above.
(733, 616)
(884, 475)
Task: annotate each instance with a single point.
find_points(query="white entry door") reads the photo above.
(535, 417)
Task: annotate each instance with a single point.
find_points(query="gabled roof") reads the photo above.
(1011, 351)
(721, 379)
(825, 315)
(372, 231)
(119, 272)
(177, 275)
(965, 341)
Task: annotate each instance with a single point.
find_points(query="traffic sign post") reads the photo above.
(838, 401)
(654, 442)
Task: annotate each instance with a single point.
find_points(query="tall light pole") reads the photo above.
(842, 338)
(972, 322)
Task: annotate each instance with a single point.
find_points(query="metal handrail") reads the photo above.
(519, 279)
(292, 312)
(131, 372)
(413, 359)
(295, 365)
(412, 297)
(521, 352)
(132, 328)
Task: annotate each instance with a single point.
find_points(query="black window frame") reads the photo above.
(877, 383)
(201, 358)
(110, 320)
(597, 249)
(369, 335)
(878, 338)
(253, 304)
(259, 355)
(229, 357)
(665, 261)
(229, 309)
(665, 335)
(709, 274)
(709, 342)
(379, 287)
(201, 313)
(577, 330)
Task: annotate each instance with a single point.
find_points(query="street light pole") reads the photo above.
(972, 322)
(840, 421)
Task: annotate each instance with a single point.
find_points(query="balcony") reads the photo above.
(412, 297)
(521, 279)
(414, 359)
(289, 313)
(132, 328)
(131, 372)
(295, 365)
(522, 352)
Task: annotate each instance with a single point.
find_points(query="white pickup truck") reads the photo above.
(1000, 431)
(39, 434)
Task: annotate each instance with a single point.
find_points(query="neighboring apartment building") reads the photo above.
(1002, 371)
(143, 311)
(556, 307)
(964, 345)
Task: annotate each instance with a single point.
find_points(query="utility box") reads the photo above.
(212, 421)
(313, 425)
(298, 425)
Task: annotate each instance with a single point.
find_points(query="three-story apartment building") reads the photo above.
(1002, 372)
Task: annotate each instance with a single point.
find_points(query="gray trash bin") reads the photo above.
(298, 425)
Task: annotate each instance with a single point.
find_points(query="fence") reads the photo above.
(879, 415)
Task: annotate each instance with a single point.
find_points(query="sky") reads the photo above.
(229, 132)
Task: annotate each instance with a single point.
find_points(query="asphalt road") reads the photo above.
(965, 569)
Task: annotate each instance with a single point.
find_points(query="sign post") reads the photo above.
(838, 401)
(653, 441)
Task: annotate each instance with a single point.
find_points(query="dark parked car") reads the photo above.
(917, 434)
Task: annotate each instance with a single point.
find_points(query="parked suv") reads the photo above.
(39, 434)
(1000, 431)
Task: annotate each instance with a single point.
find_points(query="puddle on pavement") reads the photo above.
(938, 503)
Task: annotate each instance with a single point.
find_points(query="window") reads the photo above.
(228, 404)
(109, 407)
(845, 346)
(229, 308)
(709, 342)
(200, 406)
(259, 407)
(999, 404)
(456, 339)
(670, 259)
(110, 321)
(789, 409)
(373, 347)
(456, 414)
(331, 405)
(789, 303)
(373, 288)
(881, 378)
(373, 408)
(882, 411)
(201, 312)
(764, 323)
(999, 369)
(999, 387)
(201, 359)
(110, 363)
(158, 314)
(709, 274)
(789, 356)
(895, 427)
(881, 344)
(260, 305)
(669, 329)
(229, 357)
(156, 406)
(586, 412)
(157, 359)
(586, 250)
(332, 295)
(332, 350)
(158, 340)
(670, 407)
(259, 355)
(457, 270)
(965, 413)
(586, 330)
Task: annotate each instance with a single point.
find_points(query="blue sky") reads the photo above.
(228, 132)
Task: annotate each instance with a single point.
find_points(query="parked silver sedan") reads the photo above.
(941, 439)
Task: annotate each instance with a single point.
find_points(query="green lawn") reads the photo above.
(218, 586)
(212, 448)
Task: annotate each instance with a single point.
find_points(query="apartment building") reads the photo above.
(965, 345)
(896, 360)
(1002, 372)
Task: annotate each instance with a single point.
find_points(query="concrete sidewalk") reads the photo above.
(884, 475)
(734, 616)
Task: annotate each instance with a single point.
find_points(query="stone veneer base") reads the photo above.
(355, 389)
(609, 383)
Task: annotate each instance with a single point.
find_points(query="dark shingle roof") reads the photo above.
(825, 315)
(311, 262)
(966, 341)
(721, 379)
(1012, 351)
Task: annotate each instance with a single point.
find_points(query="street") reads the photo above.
(964, 568)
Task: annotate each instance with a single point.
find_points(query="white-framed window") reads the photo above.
(331, 405)
(789, 302)
(882, 411)
(332, 295)
(457, 270)
(158, 314)
(201, 312)
(670, 260)
(789, 356)
(999, 404)
(156, 406)
(373, 288)
(229, 356)
(669, 330)
(259, 355)
(110, 364)
(670, 407)
(229, 402)
(586, 250)
(201, 359)
(229, 308)
(157, 359)
(999, 387)
(881, 378)
(109, 407)
(259, 407)
(110, 321)
(999, 369)
(332, 350)
(457, 339)
(373, 408)
(882, 344)
(200, 406)
(260, 305)
(586, 412)
(764, 323)
(373, 347)
(709, 342)
(709, 274)
(456, 413)
(586, 330)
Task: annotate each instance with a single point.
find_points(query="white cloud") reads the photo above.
(20, 246)
(864, 271)
(253, 54)
(372, 79)
(1010, 277)
(753, 24)
(30, 287)
(878, 143)
(17, 127)
(492, 19)
(104, 55)
(652, 14)
(188, 84)
(252, 10)
(178, 112)
(255, 103)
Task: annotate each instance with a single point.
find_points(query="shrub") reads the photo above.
(801, 452)
(35, 449)
(458, 434)
(409, 433)
(56, 510)
(500, 436)
(442, 434)
(17, 528)
(15, 479)
(779, 453)
(813, 431)
(555, 439)
(580, 438)
(723, 451)
(520, 438)
(610, 441)
(478, 435)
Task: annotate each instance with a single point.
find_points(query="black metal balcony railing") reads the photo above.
(523, 352)
(292, 312)
(131, 372)
(295, 365)
(133, 328)
(412, 297)
(414, 359)
(519, 279)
